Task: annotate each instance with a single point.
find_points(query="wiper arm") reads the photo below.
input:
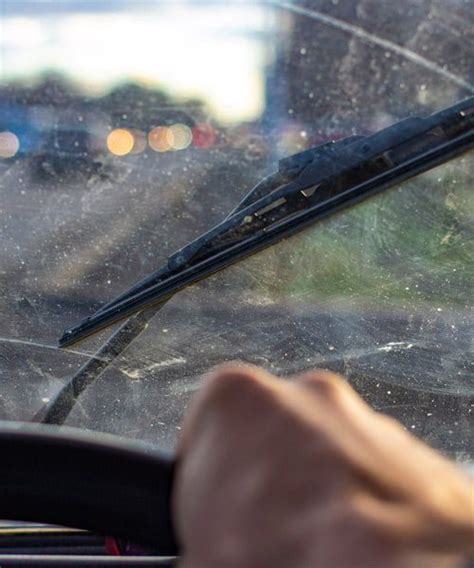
(307, 187)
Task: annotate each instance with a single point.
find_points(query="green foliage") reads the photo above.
(410, 245)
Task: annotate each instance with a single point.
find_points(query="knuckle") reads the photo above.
(328, 386)
(232, 381)
(226, 395)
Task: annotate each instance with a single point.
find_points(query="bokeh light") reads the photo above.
(139, 141)
(120, 142)
(292, 139)
(159, 139)
(204, 135)
(179, 136)
(9, 144)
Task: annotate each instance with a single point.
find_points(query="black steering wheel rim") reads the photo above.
(96, 482)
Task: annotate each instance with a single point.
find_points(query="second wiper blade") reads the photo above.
(309, 186)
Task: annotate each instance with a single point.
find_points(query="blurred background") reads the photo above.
(107, 74)
(127, 128)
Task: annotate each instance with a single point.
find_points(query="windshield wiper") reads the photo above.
(307, 187)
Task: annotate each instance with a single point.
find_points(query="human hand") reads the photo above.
(303, 473)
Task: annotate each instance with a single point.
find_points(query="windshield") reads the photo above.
(129, 128)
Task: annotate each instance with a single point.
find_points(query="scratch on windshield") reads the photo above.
(52, 347)
(374, 39)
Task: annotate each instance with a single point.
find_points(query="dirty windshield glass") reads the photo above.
(129, 128)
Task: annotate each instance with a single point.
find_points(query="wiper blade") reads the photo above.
(307, 187)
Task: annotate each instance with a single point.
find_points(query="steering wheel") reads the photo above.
(96, 482)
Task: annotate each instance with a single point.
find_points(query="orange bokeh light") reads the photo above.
(120, 142)
(159, 139)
